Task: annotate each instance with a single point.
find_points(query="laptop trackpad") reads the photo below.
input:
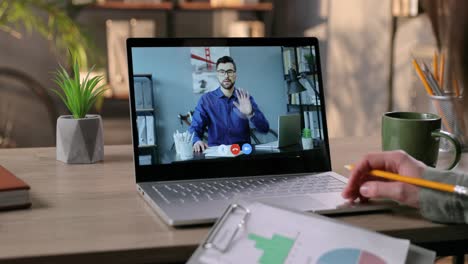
(300, 202)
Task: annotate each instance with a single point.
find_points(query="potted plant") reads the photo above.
(79, 135)
(307, 138)
(52, 19)
(310, 59)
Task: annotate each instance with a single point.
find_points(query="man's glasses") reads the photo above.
(230, 73)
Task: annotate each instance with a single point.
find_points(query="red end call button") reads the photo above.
(235, 149)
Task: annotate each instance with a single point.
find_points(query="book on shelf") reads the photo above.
(143, 1)
(145, 126)
(145, 159)
(14, 192)
(138, 95)
(306, 120)
(294, 99)
(147, 95)
(228, 3)
(288, 60)
(249, 2)
(141, 125)
(309, 96)
(244, 29)
(305, 95)
(314, 123)
(150, 130)
(405, 8)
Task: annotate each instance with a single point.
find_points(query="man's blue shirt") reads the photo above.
(225, 123)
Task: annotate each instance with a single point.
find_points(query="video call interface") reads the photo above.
(199, 103)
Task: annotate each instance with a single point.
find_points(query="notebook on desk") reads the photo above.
(192, 74)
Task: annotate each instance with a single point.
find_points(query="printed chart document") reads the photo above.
(260, 233)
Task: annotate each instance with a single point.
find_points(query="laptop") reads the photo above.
(169, 76)
(289, 132)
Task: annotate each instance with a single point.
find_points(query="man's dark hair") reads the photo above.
(226, 59)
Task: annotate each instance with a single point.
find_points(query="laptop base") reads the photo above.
(190, 213)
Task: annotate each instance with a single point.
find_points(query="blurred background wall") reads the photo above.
(365, 52)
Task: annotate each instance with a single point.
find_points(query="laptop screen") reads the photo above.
(211, 108)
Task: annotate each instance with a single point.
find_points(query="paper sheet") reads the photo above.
(275, 236)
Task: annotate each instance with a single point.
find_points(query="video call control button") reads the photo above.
(235, 149)
(247, 148)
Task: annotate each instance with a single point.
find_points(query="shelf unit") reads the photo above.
(169, 8)
(170, 14)
(134, 6)
(306, 103)
(185, 5)
(206, 6)
(146, 119)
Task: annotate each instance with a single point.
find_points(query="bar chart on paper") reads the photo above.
(275, 250)
(309, 239)
(350, 256)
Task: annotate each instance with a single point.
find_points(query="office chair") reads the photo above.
(27, 113)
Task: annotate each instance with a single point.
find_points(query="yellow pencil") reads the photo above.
(431, 92)
(457, 88)
(434, 64)
(442, 69)
(461, 190)
(423, 79)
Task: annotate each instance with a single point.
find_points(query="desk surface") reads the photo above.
(93, 212)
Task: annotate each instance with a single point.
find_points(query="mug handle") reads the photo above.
(450, 137)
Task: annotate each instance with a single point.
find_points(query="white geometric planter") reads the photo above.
(80, 140)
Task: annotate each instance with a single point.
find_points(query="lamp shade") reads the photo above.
(294, 86)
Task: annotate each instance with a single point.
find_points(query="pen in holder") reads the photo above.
(183, 144)
(447, 102)
(450, 109)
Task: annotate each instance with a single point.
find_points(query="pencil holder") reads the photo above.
(454, 120)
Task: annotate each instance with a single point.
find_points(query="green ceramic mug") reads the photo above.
(418, 134)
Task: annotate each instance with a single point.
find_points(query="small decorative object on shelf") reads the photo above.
(245, 29)
(405, 8)
(307, 142)
(79, 136)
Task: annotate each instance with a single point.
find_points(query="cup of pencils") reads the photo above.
(446, 97)
(183, 144)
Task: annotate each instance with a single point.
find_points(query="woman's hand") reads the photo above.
(364, 186)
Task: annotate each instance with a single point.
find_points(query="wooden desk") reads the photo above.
(93, 213)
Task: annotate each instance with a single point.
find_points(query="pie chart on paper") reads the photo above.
(349, 256)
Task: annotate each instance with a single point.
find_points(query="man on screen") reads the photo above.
(227, 111)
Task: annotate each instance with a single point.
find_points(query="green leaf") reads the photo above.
(78, 96)
(52, 20)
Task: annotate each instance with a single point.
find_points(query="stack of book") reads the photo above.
(14, 193)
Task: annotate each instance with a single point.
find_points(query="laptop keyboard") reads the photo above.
(226, 189)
